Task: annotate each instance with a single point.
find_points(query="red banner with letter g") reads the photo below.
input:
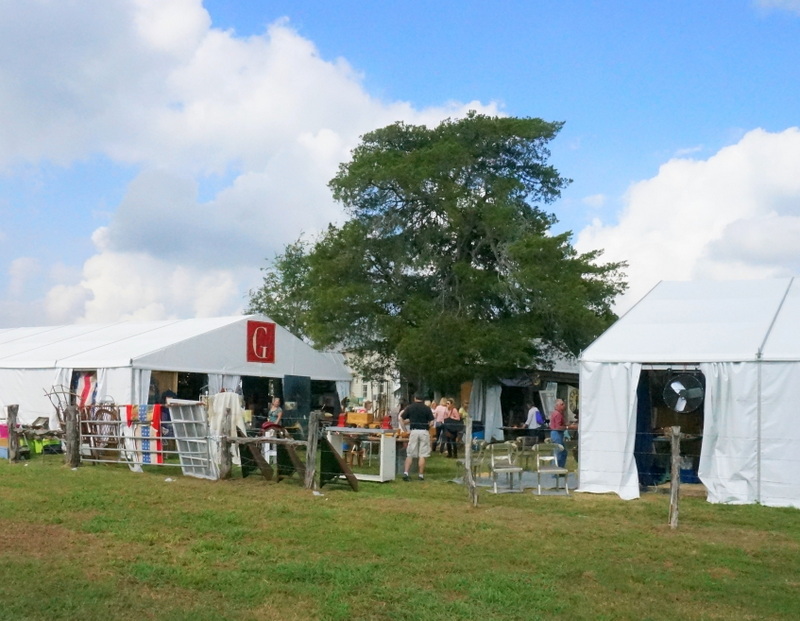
(260, 341)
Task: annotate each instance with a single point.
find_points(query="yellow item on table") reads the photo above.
(359, 419)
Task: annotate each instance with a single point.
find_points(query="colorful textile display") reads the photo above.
(4, 441)
(143, 424)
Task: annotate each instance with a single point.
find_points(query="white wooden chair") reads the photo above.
(547, 463)
(477, 458)
(503, 461)
(525, 446)
(268, 449)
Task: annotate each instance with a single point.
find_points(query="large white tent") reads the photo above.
(743, 337)
(123, 355)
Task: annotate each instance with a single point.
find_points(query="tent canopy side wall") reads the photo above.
(780, 434)
(729, 456)
(608, 428)
(33, 360)
(743, 337)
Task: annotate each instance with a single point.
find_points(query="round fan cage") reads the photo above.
(683, 393)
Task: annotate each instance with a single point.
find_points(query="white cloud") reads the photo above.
(793, 6)
(734, 215)
(687, 151)
(21, 272)
(138, 286)
(595, 201)
(152, 85)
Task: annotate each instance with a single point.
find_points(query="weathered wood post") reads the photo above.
(675, 476)
(472, 488)
(311, 450)
(72, 437)
(13, 437)
(225, 459)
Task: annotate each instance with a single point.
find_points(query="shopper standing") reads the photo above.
(420, 420)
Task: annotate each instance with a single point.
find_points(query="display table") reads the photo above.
(386, 451)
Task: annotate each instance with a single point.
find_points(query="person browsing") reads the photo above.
(451, 427)
(558, 426)
(535, 418)
(420, 419)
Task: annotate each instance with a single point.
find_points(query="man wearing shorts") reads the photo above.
(420, 419)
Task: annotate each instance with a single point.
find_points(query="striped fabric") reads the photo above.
(144, 426)
(86, 389)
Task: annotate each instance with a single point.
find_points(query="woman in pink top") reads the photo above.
(451, 427)
(439, 414)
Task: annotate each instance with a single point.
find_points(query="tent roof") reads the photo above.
(205, 345)
(703, 321)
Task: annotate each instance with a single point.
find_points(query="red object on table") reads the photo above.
(386, 423)
(342, 420)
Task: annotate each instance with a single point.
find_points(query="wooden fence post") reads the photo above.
(675, 477)
(225, 459)
(311, 450)
(72, 437)
(13, 438)
(472, 488)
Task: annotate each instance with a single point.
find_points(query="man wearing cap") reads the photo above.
(420, 419)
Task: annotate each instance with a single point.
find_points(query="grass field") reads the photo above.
(100, 542)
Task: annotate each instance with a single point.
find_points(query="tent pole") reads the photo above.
(759, 364)
(758, 431)
(133, 386)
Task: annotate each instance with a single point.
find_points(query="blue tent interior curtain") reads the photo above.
(643, 450)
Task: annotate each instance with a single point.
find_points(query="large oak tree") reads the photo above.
(447, 267)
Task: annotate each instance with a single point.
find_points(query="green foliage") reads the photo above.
(447, 268)
(283, 295)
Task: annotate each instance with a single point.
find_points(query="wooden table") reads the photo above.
(386, 452)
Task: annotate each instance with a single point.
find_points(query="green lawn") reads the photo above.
(103, 543)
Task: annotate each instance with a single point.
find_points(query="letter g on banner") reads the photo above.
(260, 341)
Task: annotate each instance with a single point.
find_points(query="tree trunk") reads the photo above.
(13, 438)
(311, 450)
(472, 488)
(675, 477)
(225, 459)
(72, 437)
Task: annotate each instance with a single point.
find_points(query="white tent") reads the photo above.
(743, 337)
(123, 354)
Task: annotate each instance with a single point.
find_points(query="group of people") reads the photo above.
(447, 422)
(420, 417)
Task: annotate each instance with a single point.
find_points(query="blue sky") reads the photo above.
(636, 82)
(153, 154)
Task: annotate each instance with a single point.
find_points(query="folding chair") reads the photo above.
(547, 463)
(503, 460)
(525, 446)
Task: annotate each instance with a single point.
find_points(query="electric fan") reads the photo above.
(683, 393)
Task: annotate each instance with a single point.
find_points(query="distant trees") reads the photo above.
(446, 269)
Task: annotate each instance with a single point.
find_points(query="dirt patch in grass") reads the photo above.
(42, 540)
